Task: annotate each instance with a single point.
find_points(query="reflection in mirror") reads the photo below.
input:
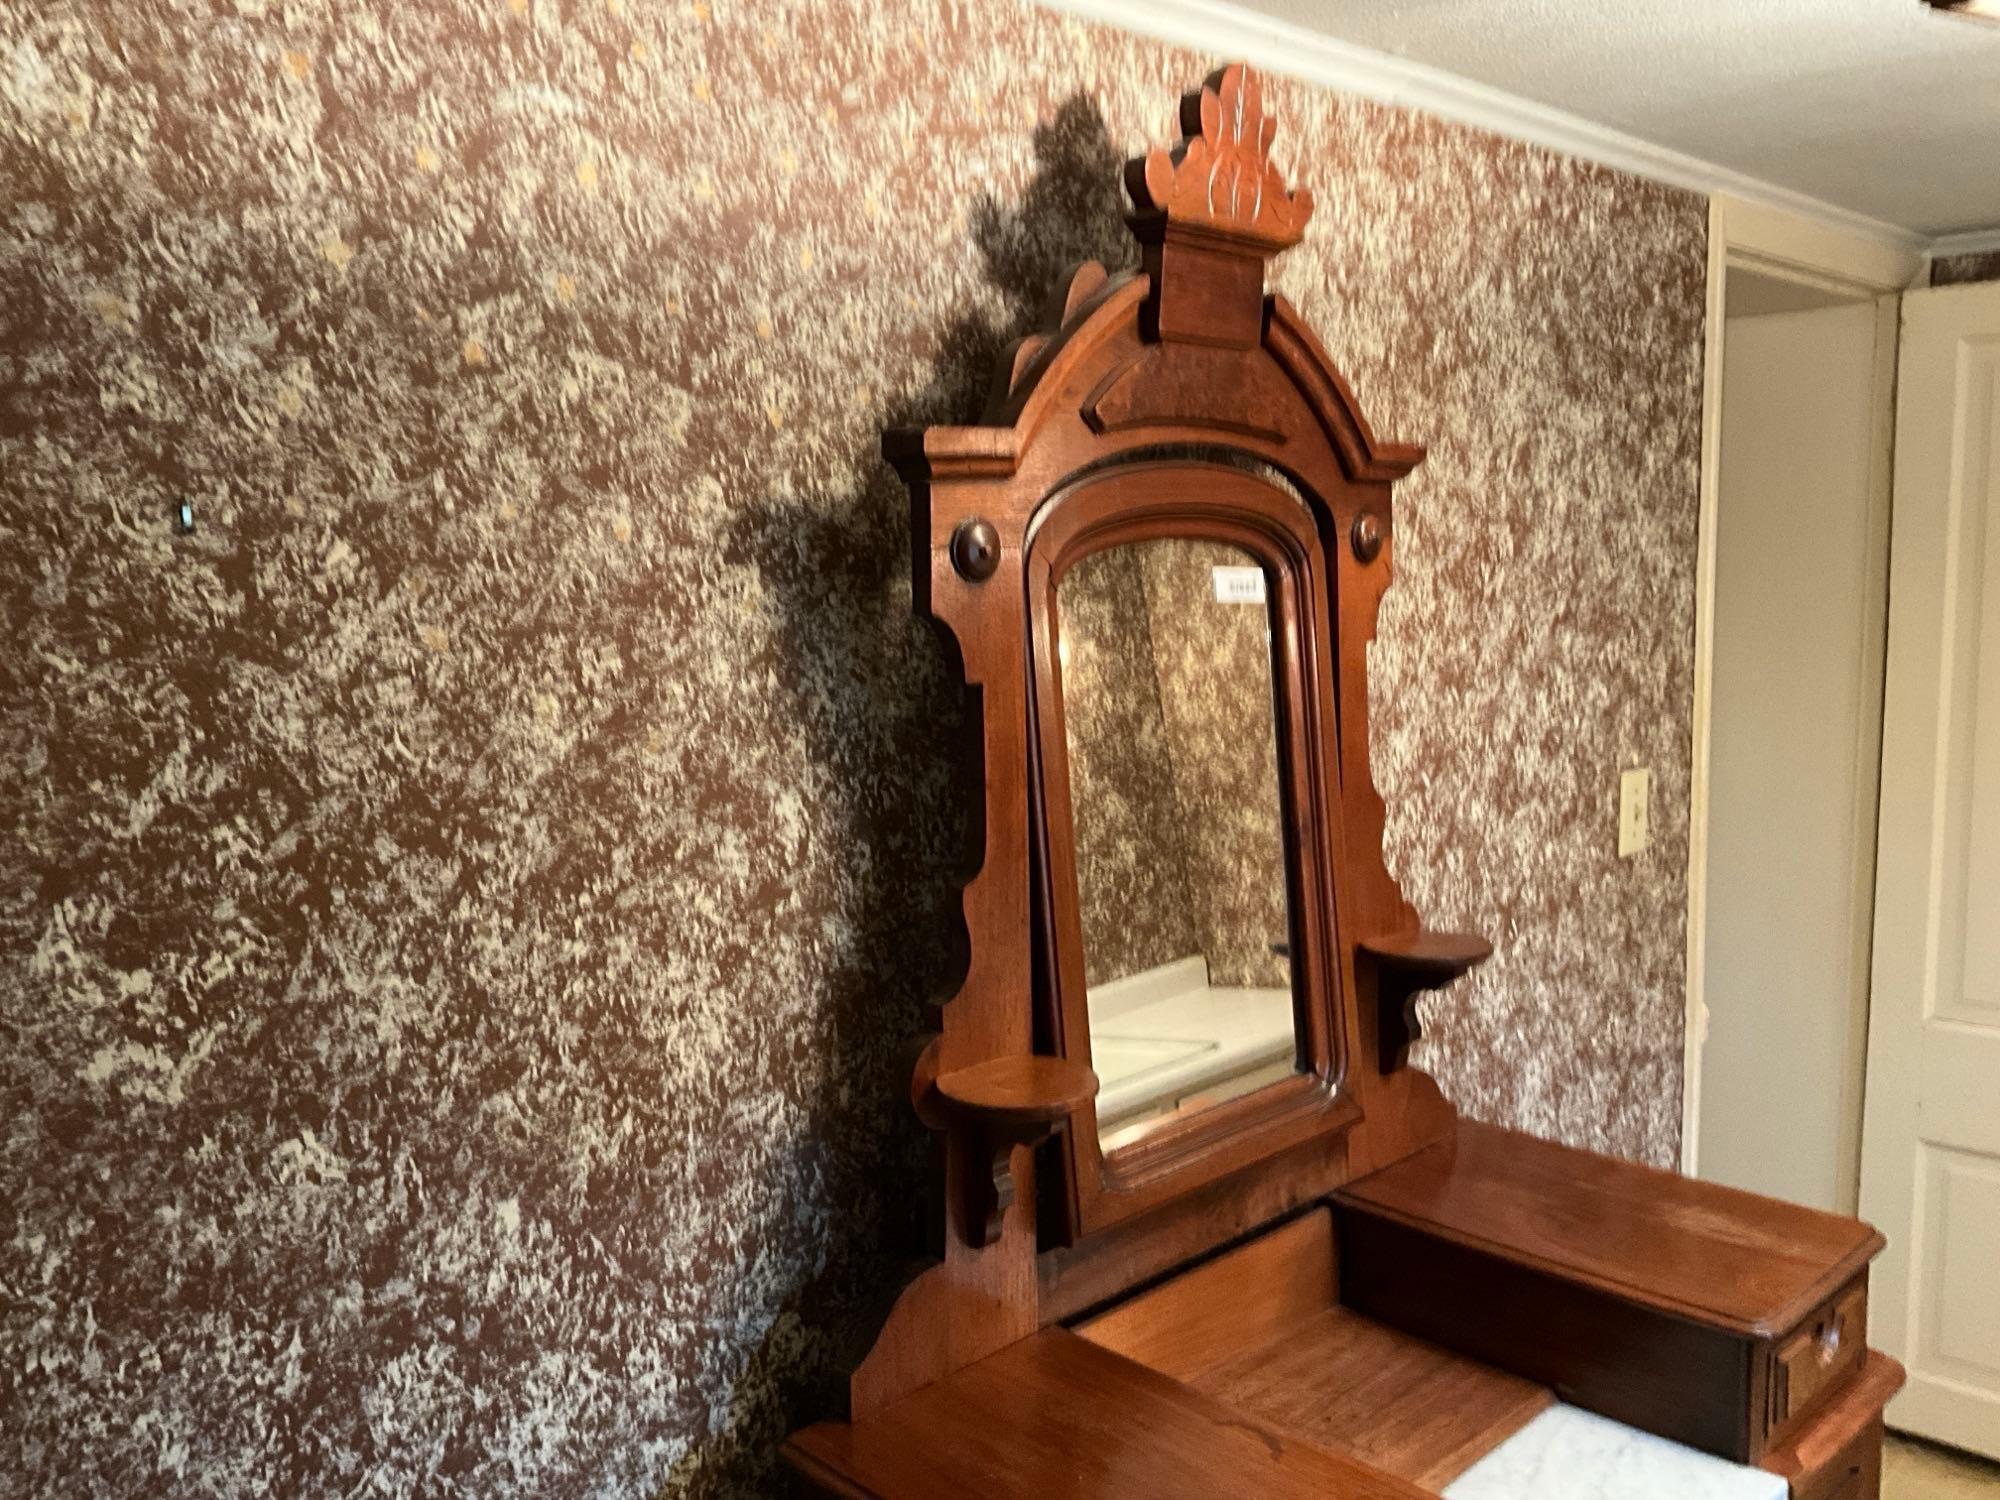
(1168, 708)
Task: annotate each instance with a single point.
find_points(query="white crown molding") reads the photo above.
(1227, 30)
(1969, 242)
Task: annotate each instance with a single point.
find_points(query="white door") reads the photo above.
(1930, 1171)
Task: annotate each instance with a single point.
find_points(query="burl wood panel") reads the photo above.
(464, 908)
(1261, 1330)
(1057, 1418)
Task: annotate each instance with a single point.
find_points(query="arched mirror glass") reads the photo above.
(1169, 713)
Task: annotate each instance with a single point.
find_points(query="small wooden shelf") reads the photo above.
(1406, 964)
(1442, 956)
(994, 1106)
(1016, 1093)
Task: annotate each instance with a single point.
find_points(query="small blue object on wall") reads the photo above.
(184, 516)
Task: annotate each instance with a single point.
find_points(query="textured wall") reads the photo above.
(464, 905)
(1134, 907)
(1212, 659)
(1173, 764)
(1953, 270)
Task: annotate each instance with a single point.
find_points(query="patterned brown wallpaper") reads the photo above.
(1134, 904)
(1953, 270)
(1173, 766)
(465, 904)
(1213, 665)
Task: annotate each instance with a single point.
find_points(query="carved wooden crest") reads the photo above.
(1221, 177)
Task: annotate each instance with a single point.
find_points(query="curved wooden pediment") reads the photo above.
(1190, 347)
(1100, 368)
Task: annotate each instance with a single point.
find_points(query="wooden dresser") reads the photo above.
(1272, 1260)
(1732, 1323)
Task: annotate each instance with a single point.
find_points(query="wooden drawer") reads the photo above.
(1854, 1473)
(1718, 1319)
(1816, 1357)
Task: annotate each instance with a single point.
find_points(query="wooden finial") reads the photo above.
(1210, 212)
(1221, 178)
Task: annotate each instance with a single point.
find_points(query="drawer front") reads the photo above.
(1818, 1355)
(1661, 1374)
(1855, 1473)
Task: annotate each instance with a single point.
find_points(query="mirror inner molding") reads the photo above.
(1259, 1076)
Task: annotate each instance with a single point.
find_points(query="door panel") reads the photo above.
(1980, 989)
(1963, 1194)
(1931, 1143)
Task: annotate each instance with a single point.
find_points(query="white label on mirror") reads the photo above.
(1239, 585)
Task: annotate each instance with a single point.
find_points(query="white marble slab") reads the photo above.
(1570, 1454)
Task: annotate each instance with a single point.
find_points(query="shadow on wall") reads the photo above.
(847, 562)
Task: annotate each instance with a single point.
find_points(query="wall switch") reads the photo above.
(1635, 790)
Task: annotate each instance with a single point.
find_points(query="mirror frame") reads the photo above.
(1224, 503)
(1190, 358)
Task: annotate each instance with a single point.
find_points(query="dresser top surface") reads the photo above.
(1054, 1417)
(1712, 1254)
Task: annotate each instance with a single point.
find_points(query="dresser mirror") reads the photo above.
(1170, 723)
(1178, 632)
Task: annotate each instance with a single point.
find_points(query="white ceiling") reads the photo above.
(1881, 107)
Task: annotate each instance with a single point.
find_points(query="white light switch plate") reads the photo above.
(1635, 791)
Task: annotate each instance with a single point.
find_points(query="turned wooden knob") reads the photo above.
(975, 550)
(1367, 536)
